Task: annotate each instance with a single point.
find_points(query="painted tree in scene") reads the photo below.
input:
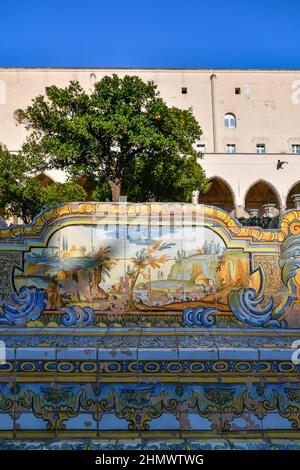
(143, 261)
(102, 265)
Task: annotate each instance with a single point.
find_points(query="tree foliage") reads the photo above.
(122, 134)
(23, 196)
(57, 193)
(172, 178)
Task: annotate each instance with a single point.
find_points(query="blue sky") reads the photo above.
(150, 33)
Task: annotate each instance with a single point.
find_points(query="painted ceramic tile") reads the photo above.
(147, 264)
(136, 320)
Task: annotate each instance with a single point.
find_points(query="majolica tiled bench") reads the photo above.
(149, 326)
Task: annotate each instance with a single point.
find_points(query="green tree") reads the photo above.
(23, 195)
(19, 194)
(121, 134)
(168, 178)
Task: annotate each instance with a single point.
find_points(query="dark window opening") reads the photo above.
(237, 91)
(184, 90)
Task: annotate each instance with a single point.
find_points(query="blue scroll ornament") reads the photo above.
(23, 306)
(199, 316)
(244, 302)
(82, 316)
(289, 261)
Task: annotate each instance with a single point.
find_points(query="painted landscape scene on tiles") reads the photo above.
(83, 270)
(123, 272)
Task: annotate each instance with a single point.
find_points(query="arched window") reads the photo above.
(230, 121)
(93, 78)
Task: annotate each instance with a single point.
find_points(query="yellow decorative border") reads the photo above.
(149, 213)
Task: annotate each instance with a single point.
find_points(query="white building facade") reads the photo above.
(250, 121)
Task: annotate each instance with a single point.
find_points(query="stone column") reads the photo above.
(252, 211)
(269, 210)
(296, 200)
(239, 211)
(195, 197)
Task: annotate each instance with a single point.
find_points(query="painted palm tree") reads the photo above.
(180, 256)
(102, 265)
(142, 262)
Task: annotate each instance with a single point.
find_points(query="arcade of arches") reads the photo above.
(261, 198)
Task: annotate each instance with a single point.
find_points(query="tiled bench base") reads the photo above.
(149, 389)
(151, 445)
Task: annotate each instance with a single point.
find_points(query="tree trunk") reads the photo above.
(132, 286)
(97, 279)
(115, 189)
